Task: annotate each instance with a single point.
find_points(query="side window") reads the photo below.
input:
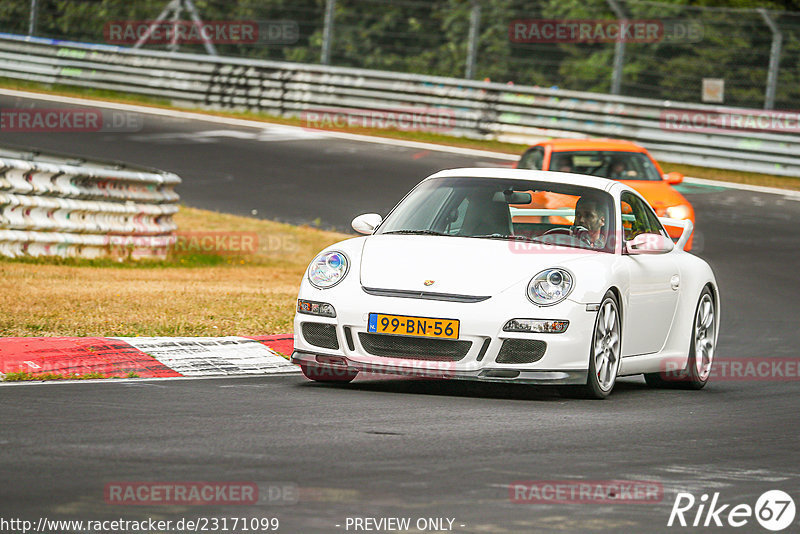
(650, 170)
(532, 159)
(655, 225)
(562, 163)
(637, 217)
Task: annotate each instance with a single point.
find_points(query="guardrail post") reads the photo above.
(285, 76)
(173, 10)
(327, 32)
(208, 45)
(174, 4)
(488, 112)
(774, 59)
(474, 35)
(619, 51)
(32, 21)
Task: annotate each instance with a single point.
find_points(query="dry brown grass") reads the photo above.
(187, 295)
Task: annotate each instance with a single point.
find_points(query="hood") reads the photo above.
(456, 265)
(658, 194)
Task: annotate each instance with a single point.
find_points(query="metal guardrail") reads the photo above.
(55, 206)
(475, 109)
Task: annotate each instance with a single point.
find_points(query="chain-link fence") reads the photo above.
(739, 57)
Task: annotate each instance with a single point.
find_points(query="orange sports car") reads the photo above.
(618, 160)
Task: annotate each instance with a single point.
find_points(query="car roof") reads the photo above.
(584, 180)
(563, 145)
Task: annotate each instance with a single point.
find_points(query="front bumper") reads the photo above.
(341, 365)
(565, 359)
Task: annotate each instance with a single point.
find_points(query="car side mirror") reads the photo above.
(673, 178)
(649, 244)
(367, 223)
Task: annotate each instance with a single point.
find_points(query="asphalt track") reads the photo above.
(413, 449)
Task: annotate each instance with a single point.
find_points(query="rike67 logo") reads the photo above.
(774, 510)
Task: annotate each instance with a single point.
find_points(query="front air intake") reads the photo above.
(521, 351)
(414, 348)
(320, 335)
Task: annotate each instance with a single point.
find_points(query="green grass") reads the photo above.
(86, 92)
(23, 376)
(26, 377)
(740, 177)
(187, 261)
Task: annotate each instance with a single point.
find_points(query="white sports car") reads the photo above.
(507, 275)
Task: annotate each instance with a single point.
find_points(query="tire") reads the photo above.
(605, 352)
(328, 374)
(701, 349)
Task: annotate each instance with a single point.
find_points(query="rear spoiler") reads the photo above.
(687, 226)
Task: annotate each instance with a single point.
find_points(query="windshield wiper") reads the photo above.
(414, 232)
(503, 236)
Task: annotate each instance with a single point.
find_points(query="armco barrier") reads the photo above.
(54, 206)
(475, 109)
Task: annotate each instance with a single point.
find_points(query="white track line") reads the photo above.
(746, 187)
(212, 356)
(173, 113)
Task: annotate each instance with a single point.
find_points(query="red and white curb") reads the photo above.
(147, 357)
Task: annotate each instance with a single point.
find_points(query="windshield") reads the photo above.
(606, 164)
(488, 208)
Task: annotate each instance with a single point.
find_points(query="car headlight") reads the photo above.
(550, 286)
(536, 326)
(681, 211)
(328, 269)
(310, 307)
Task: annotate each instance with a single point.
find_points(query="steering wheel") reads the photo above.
(579, 232)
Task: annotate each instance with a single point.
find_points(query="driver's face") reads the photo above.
(588, 215)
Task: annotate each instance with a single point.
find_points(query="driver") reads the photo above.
(620, 171)
(590, 219)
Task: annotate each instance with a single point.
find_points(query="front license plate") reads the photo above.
(402, 325)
